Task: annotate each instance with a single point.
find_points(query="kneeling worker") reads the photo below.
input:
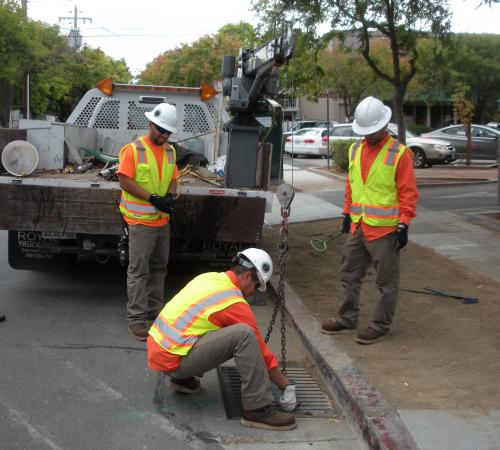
(209, 322)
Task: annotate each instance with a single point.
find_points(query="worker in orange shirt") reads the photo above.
(147, 174)
(209, 322)
(380, 201)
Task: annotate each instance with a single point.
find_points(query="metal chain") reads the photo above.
(280, 302)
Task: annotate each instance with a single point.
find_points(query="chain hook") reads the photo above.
(285, 194)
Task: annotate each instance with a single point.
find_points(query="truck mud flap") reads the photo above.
(39, 250)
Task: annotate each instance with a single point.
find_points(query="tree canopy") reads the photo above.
(192, 64)
(399, 22)
(59, 76)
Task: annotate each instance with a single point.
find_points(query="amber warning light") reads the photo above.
(207, 91)
(105, 86)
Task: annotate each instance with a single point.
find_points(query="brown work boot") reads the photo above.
(268, 418)
(370, 336)
(185, 385)
(332, 326)
(139, 331)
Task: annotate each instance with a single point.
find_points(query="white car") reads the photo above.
(307, 141)
(426, 151)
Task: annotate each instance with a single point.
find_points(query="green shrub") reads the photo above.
(418, 128)
(339, 153)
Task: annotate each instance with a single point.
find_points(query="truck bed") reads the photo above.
(86, 203)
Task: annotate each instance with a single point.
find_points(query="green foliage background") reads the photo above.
(59, 76)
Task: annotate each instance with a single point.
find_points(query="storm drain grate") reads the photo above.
(312, 402)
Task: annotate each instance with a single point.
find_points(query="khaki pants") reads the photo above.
(357, 256)
(217, 347)
(149, 248)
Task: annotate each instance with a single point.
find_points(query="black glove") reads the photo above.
(346, 223)
(165, 204)
(402, 236)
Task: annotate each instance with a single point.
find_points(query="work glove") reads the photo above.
(346, 223)
(164, 204)
(288, 400)
(402, 236)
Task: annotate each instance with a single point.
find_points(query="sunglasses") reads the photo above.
(162, 130)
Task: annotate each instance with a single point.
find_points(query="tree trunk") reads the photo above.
(397, 113)
(468, 155)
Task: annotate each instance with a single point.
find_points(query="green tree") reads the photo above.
(347, 74)
(470, 59)
(58, 75)
(192, 64)
(400, 22)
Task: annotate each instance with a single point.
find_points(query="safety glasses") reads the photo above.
(162, 130)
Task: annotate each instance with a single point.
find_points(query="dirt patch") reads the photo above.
(443, 354)
(493, 216)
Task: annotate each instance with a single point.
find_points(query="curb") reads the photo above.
(375, 419)
(482, 219)
(452, 182)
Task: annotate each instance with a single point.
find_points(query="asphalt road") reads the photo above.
(71, 376)
(458, 199)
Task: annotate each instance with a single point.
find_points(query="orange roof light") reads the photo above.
(207, 91)
(106, 86)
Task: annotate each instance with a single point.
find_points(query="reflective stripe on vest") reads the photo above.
(184, 319)
(147, 177)
(376, 199)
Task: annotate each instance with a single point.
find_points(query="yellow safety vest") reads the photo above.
(376, 200)
(147, 177)
(184, 319)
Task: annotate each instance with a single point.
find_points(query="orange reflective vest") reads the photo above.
(184, 319)
(376, 200)
(148, 177)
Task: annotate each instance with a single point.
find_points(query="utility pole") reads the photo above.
(24, 5)
(74, 37)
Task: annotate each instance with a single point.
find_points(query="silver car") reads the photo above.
(484, 140)
(426, 151)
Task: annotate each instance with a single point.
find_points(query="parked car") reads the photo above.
(426, 151)
(307, 141)
(484, 140)
(495, 125)
(299, 126)
(325, 124)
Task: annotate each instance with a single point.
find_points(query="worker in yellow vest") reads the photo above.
(209, 322)
(380, 201)
(147, 174)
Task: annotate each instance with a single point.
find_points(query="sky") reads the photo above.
(141, 30)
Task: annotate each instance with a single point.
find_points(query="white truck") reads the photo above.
(54, 215)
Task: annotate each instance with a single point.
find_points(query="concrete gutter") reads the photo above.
(376, 420)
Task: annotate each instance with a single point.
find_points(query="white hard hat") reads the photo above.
(370, 116)
(261, 261)
(165, 116)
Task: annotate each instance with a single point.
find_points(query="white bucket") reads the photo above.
(19, 158)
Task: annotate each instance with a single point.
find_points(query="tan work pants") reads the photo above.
(238, 342)
(357, 256)
(148, 249)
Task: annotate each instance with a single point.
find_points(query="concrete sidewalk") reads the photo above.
(471, 244)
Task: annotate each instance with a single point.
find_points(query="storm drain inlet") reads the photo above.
(312, 401)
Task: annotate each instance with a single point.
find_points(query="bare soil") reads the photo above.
(442, 354)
